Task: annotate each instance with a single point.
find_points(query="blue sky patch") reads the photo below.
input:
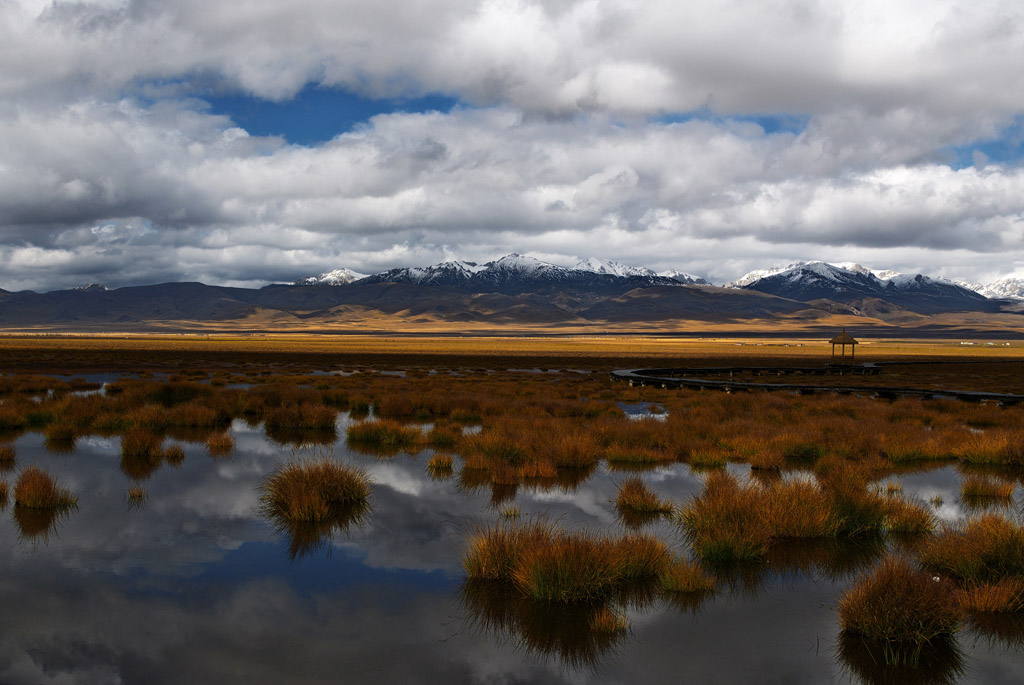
(315, 115)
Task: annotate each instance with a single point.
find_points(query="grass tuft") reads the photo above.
(313, 491)
(897, 603)
(36, 489)
(681, 576)
(220, 445)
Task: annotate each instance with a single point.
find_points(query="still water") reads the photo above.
(194, 586)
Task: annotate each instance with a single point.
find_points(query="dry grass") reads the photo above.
(220, 445)
(681, 576)
(382, 435)
(313, 490)
(37, 489)
(908, 517)
(799, 509)
(136, 496)
(634, 496)
(440, 466)
(1004, 596)
(897, 603)
(3, 494)
(986, 549)
(547, 564)
(726, 522)
(977, 487)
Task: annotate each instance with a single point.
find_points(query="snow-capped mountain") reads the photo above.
(91, 288)
(683, 277)
(604, 266)
(806, 281)
(514, 272)
(341, 276)
(452, 272)
(1003, 289)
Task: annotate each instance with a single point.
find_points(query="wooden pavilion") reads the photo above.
(843, 339)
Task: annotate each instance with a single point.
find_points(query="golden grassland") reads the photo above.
(821, 465)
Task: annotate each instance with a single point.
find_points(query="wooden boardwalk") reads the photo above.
(697, 378)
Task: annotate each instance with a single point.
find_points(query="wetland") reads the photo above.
(232, 517)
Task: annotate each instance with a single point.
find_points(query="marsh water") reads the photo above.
(194, 585)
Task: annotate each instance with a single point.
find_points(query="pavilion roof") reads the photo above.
(843, 338)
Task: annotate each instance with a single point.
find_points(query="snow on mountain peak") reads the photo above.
(340, 276)
(604, 266)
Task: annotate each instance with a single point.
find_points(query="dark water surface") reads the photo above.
(193, 586)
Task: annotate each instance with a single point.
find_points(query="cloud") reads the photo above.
(113, 169)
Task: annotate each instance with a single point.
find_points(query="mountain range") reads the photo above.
(522, 293)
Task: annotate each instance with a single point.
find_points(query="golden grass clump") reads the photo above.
(726, 522)
(220, 445)
(984, 549)
(383, 434)
(136, 496)
(908, 517)
(977, 487)
(547, 564)
(634, 495)
(681, 576)
(899, 604)
(799, 509)
(1004, 596)
(36, 489)
(313, 490)
(440, 466)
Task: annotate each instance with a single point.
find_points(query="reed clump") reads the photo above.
(976, 487)
(383, 434)
(899, 604)
(220, 445)
(37, 489)
(984, 549)
(440, 466)
(681, 576)
(551, 565)
(313, 490)
(634, 496)
(1003, 596)
(726, 523)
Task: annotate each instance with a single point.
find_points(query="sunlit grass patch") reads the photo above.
(383, 434)
(1003, 596)
(984, 549)
(978, 487)
(899, 604)
(634, 496)
(37, 489)
(799, 509)
(440, 466)
(681, 576)
(313, 490)
(548, 564)
(726, 522)
(220, 445)
(908, 517)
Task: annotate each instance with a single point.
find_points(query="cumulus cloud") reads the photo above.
(111, 169)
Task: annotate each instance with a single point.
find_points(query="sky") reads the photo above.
(260, 141)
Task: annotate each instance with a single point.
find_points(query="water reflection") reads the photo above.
(38, 525)
(307, 538)
(938, 663)
(576, 635)
(241, 599)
